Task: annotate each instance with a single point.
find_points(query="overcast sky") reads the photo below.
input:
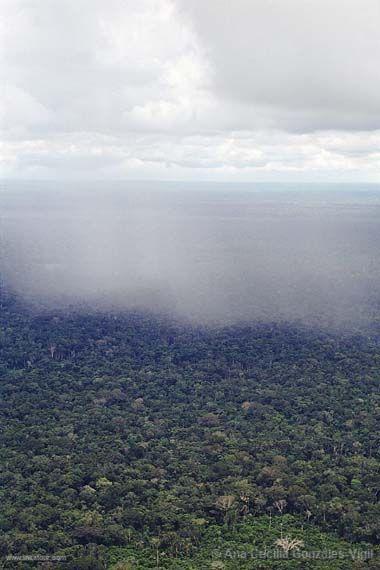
(191, 89)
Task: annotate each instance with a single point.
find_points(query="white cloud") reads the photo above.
(166, 89)
(240, 155)
(312, 63)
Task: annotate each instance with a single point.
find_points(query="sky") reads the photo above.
(249, 90)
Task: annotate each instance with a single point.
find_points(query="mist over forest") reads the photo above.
(210, 254)
(190, 285)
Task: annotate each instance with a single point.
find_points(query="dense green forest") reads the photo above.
(135, 441)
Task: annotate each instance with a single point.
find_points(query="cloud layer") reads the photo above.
(191, 90)
(306, 64)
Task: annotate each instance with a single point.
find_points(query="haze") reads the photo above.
(185, 92)
(205, 253)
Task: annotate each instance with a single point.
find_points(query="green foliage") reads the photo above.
(252, 544)
(144, 435)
